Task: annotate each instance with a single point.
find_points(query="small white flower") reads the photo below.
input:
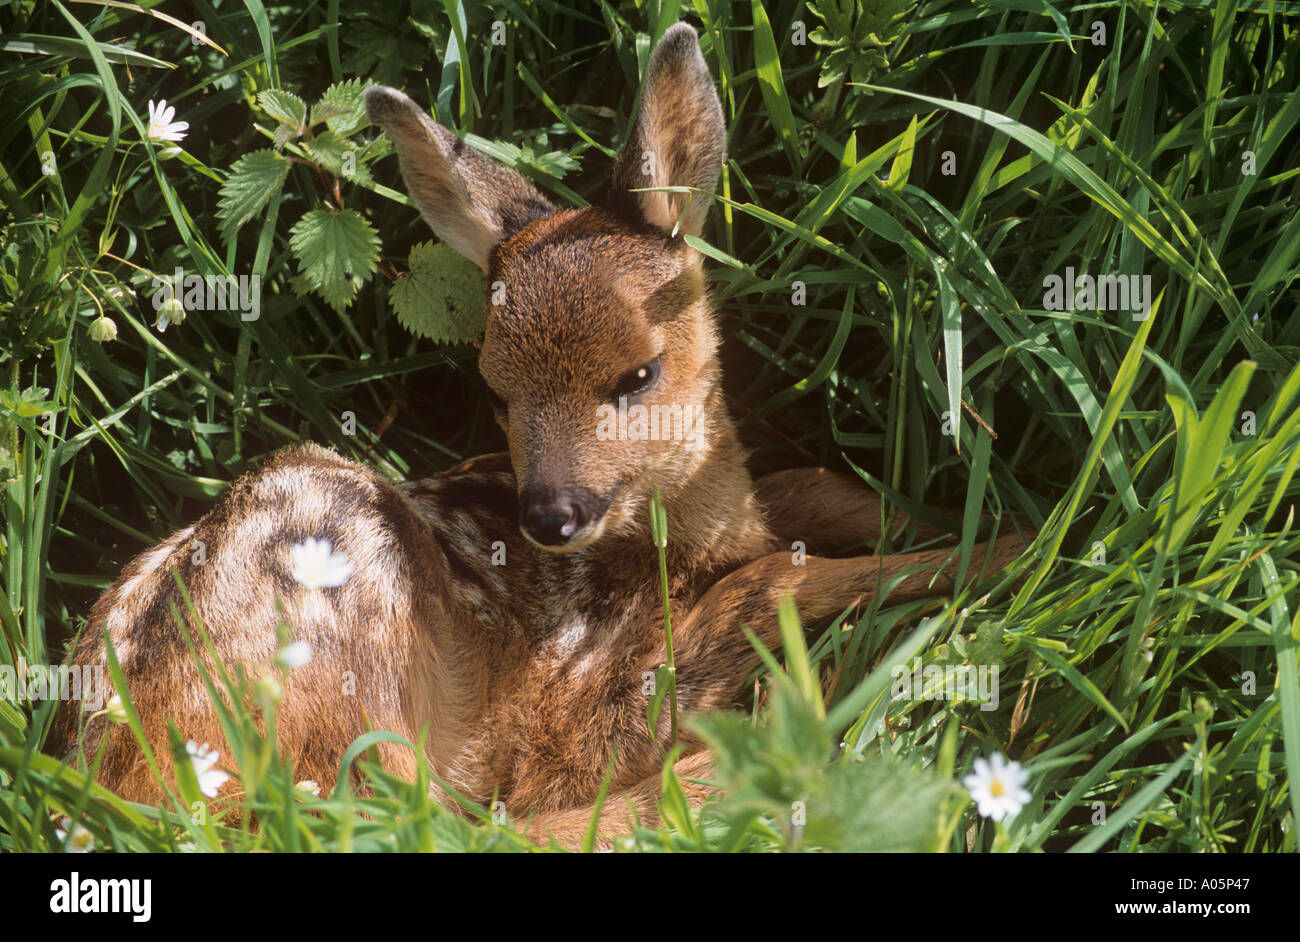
(172, 311)
(170, 153)
(161, 126)
(116, 709)
(317, 566)
(294, 655)
(76, 839)
(203, 760)
(103, 329)
(310, 786)
(998, 787)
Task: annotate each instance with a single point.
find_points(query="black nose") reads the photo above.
(553, 522)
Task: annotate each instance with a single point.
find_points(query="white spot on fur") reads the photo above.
(569, 639)
(119, 631)
(119, 627)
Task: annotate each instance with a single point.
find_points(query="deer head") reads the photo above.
(600, 346)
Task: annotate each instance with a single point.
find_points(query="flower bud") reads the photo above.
(268, 692)
(103, 329)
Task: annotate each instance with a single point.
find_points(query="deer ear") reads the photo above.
(469, 200)
(677, 140)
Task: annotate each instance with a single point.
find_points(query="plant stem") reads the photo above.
(659, 530)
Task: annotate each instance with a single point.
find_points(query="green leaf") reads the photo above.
(253, 180)
(771, 83)
(1131, 809)
(336, 252)
(285, 107)
(676, 811)
(1201, 444)
(441, 297)
(339, 156)
(342, 108)
(800, 668)
(857, 47)
(665, 679)
(1080, 682)
(902, 165)
(30, 403)
(288, 109)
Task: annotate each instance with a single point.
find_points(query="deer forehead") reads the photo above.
(578, 298)
(581, 349)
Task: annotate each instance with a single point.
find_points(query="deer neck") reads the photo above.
(714, 518)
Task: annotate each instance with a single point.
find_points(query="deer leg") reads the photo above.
(623, 811)
(826, 511)
(713, 654)
(713, 657)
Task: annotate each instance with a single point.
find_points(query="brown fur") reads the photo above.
(528, 675)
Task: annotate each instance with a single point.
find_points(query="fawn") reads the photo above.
(528, 675)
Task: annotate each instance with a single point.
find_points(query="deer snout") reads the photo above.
(556, 519)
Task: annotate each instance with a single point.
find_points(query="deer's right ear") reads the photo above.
(469, 200)
(677, 140)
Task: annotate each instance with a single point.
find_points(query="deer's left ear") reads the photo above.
(471, 202)
(677, 140)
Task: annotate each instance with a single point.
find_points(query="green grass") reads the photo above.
(921, 193)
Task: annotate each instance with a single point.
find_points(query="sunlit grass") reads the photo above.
(879, 254)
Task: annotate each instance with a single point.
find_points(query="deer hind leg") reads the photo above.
(713, 654)
(368, 637)
(624, 810)
(826, 511)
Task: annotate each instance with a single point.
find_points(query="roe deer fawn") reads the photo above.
(528, 675)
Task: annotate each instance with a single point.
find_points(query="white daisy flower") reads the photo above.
(309, 786)
(161, 126)
(317, 566)
(998, 787)
(203, 760)
(76, 839)
(295, 654)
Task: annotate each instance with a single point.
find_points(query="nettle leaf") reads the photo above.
(283, 135)
(253, 180)
(342, 108)
(339, 156)
(441, 297)
(377, 146)
(336, 253)
(288, 109)
(283, 106)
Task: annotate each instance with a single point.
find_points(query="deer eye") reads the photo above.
(638, 380)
